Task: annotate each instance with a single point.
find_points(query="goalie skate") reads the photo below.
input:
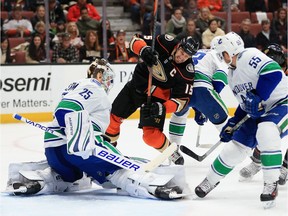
(168, 193)
(18, 188)
(247, 173)
(269, 194)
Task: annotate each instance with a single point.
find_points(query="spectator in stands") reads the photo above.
(86, 23)
(168, 9)
(191, 31)
(75, 38)
(213, 5)
(35, 51)
(109, 33)
(18, 27)
(274, 5)
(203, 20)
(40, 30)
(148, 25)
(212, 31)
(191, 11)
(39, 16)
(74, 11)
(247, 37)
(119, 51)
(135, 8)
(91, 48)
(176, 24)
(255, 6)
(27, 5)
(5, 50)
(234, 5)
(60, 29)
(65, 52)
(56, 15)
(279, 24)
(266, 36)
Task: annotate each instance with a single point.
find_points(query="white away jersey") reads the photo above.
(251, 63)
(208, 69)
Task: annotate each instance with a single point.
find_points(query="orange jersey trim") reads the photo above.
(137, 44)
(170, 106)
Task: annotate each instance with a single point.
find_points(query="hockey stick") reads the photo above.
(198, 136)
(199, 158)
(155, 6)
(198, 139)
(109, 155)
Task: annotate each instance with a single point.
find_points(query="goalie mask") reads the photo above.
(102, 67)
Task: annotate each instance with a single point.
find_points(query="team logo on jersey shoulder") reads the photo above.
(169, 37)
(159, 73)
(190, 68)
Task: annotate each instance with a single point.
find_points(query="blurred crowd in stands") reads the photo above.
(76, 28)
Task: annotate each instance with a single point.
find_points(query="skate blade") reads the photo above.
(268, 204)
(178, 196)
(21, 189)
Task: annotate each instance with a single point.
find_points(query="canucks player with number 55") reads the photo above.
(260, 86)
(83, 112)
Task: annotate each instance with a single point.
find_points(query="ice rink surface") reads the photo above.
(20, 142)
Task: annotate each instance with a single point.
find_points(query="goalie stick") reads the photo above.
(200, 158)
(109, 155)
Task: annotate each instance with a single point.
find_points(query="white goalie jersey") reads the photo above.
(85, 94)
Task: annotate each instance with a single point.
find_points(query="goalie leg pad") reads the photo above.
(141, 185)
(14, 168)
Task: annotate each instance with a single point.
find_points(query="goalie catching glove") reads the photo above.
(148, 56)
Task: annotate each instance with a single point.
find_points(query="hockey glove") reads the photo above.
(148, 56)
(253, 105)
(200, 118)
(227, 131)
(152, 110)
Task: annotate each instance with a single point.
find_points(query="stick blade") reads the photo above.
(190, 153)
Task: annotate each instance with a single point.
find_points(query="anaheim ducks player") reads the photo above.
(172, 83)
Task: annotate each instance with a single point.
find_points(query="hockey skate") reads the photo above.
(283, 176)
(269, 194)
(176, 158)
(168, 193)
(29, 188)
(204, 188)
(247, 173)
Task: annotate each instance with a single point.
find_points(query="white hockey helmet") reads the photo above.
(231, 43)
(102, 66)
(214, 41)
